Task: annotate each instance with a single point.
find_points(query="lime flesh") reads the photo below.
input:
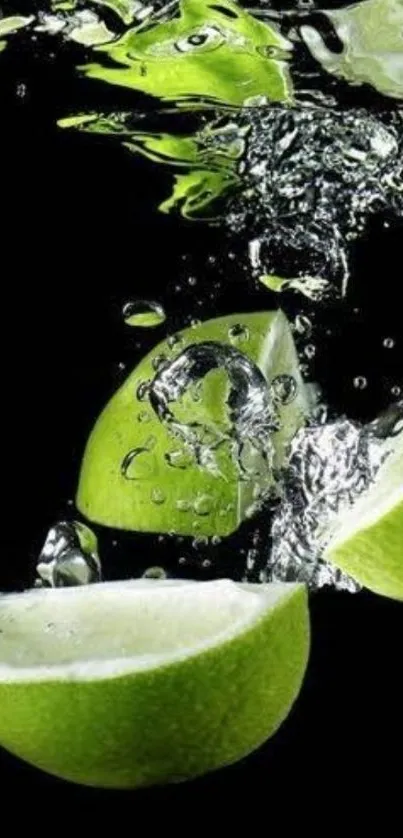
(163, 490)
(367, 541)
(127, 684)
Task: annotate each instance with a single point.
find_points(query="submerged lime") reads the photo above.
(127, 684)
(367, 541)
(137, 474)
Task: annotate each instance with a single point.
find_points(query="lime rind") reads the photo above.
(367, 540)
(163, 720)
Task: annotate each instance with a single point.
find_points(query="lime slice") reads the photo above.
(371, 35)
(137, 475)
(367, 541)
(125, 684)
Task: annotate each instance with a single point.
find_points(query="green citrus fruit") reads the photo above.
(367, 541)
(137, 475)
(126, 684)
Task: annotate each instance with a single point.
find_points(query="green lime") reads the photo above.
(126, 684)
(367, 541)
(137, 474)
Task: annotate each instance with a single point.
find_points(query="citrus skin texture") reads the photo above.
(368, 543)
(108, 497)
(167, 722)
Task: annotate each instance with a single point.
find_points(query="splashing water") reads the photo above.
(312, 177)
(69, 556)
(251, 410)
(330, 464)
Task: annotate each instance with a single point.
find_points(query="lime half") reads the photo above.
(127, 684)
(137, 475)
(367, 541)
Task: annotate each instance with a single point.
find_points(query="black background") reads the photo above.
(80, 236)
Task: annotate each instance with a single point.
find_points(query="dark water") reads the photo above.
(81, 235)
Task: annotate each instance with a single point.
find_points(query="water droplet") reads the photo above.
(196, 391)
(175, 341)
(206, 563)
(182, 560)
(21, 90)
(238, 333)
(192, 281)
(396, 390)
(183, 505)
(310, 351)
(303, 325)
(251, 558)
(69, 556)
(159, 362)
(155, 573)
(178, 459)
(216, 540)
(283, 389)
(199, 542)
(360, 382)
(137, 463)
(195, 322)
(143, 390)
(388, 343)
(143, 313)
(203, 505)
(226, 510)
(158, 496)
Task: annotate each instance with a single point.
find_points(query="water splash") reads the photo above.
(251, 418)
(330, 464)
(69, 556)
(312, 177)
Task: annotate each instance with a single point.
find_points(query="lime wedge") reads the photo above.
(367, 541)
(137, 475)
(125, 684)
(371, 35)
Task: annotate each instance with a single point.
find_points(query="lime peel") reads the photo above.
(124, 684)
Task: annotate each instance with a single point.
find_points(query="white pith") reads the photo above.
(38, 627)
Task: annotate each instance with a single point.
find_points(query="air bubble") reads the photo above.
(360, 382)
(203, 505)
(238, 334)
(158, 496)
(183, 505)
(143, 313)
(155, 573)
(199, 542)
(158, 362)
(283, 389)
(175, 341)
(143, 390)
(303, 325)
